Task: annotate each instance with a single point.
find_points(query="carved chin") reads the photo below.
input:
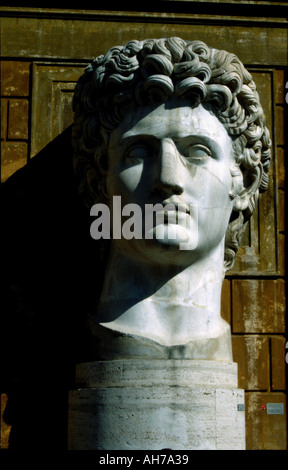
(173, 235)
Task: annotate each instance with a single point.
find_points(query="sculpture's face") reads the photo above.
(174, 154)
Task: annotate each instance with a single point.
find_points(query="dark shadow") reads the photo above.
(47, 257)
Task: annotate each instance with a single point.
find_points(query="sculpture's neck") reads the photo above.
(127, 277)
(169, 304)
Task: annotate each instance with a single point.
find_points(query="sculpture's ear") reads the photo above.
(251, 182)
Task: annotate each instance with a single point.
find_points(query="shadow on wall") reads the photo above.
(50, 269)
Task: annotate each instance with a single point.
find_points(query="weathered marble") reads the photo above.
(135, 373)
(176, 123)
(146, 405)
(153, 289)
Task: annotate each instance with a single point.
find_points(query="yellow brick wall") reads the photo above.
(255, 308)
(15, 83)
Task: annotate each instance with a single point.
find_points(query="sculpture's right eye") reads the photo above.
(136, 154)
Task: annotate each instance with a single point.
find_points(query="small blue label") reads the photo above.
(275, 408)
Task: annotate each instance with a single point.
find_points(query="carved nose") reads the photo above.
(169, 178)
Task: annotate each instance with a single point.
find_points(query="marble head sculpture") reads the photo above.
(170, 121)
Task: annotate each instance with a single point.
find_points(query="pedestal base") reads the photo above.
(156, 404)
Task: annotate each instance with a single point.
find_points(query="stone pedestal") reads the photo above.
(156, 404)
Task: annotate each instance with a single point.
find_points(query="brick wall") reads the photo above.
(255, 308)
(15, 102)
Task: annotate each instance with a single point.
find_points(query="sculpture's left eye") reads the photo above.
(197, 153)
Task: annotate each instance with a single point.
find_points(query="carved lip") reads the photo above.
(178, 206)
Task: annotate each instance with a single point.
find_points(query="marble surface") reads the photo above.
(160, 372)
(178, 123)
(146, 405)
(154, 289)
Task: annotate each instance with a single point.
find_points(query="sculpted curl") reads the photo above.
(151, 71)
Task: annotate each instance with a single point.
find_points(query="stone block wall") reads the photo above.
(15, 106)
(256, 309)
(254, 306)
(15, 102)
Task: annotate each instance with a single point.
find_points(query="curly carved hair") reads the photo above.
(150, 71)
